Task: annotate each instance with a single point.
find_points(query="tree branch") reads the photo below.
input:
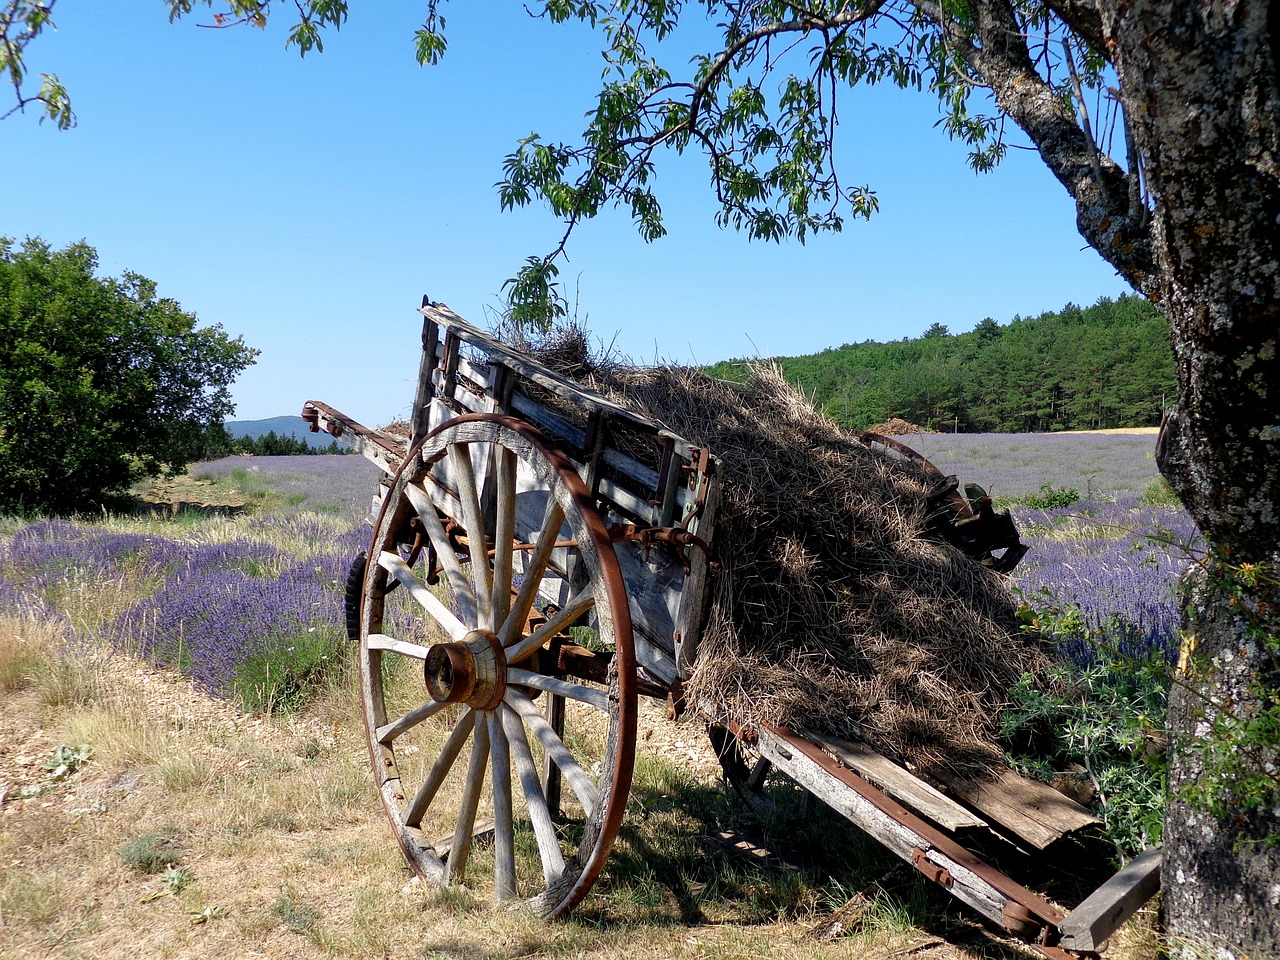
(1001, 56)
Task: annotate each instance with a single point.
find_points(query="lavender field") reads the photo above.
(1104, 567)
(249, 605)
(248, 601)
(230, 599)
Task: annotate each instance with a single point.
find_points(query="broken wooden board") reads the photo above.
(1029, 809)
(1102, 913)
(899, 783)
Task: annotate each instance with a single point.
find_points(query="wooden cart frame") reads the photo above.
(560, 548)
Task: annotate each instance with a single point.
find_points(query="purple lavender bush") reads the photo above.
(237, 628)
(258, 617)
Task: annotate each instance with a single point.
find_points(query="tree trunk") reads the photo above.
(1203, 101)
(1222, 879)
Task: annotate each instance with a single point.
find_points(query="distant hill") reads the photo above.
(282, 427)
(1105, 366)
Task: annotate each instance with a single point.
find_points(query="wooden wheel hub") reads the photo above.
(471, 671)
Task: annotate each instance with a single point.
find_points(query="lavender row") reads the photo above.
(210, 609)
(1103, 575)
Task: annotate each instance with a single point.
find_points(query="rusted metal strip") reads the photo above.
(1032, 901)
(372, 444)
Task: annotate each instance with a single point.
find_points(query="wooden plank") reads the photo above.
(898, 783)
(1102, 913)
(381, 448)
(504, 841)
(695, 597)
(897, 837)
(1031, 810)
(426, 368)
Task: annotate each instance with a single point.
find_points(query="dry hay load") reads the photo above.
(834, 609)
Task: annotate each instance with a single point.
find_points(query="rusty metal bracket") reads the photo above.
(920, 860)
(677, 537)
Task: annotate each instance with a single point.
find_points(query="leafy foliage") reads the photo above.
(22, 21)
(102, 382)
(1050, 497)
(1102, 726)
(1108, 365)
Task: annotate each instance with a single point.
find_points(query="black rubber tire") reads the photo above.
(351, 596)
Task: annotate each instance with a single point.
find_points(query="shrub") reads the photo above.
(1052, 498)
(150, 853)
(1101, 722)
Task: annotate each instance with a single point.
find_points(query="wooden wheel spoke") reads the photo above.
(504, 843)
(513, 625)
(460, 849)
(429, 602)
(389, 731)
(585, 788)
(473, 519)
(576, 607)
(504, 538)
(380, 641)
(544, 830)
(458, 580)
(439, 770)
(574, 691)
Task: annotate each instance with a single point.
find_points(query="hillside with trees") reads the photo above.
(1108, 365)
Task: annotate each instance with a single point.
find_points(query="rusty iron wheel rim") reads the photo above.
(487, 714)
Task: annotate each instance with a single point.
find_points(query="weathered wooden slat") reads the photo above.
(423, 597)
(694, 597)
(527, 367)
(1031, 810)
(459, 582)
(381, 448)
(389, 731)
(898, 783)
(582, 784)
(439, 769)
(426, 370)
(897, 837)
(480, 374)
(580, 604)
(544, 830)
(1104, 910)
(378, 641)
(504, 844)
(456, 867)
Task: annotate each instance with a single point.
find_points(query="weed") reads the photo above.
(207, 914)
(176, 878)
(32, 898)
(1099, 728)
(150, 853)
(66, 760)
(290, 669)
(26, 645)
(297, 916)
(1159, 494)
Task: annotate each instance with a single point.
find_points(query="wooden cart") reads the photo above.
(541, 557)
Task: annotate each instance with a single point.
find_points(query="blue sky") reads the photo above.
(308, 204)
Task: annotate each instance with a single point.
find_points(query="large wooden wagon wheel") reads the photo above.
(453, 674)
